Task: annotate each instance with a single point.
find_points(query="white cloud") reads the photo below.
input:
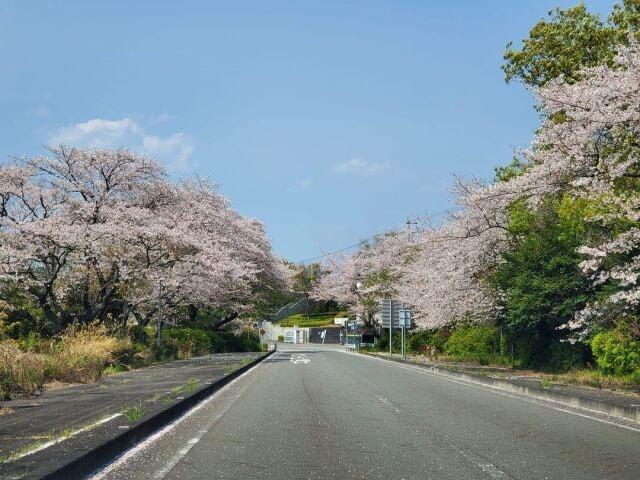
(357, 166)
(99, 133)
(301, 185)
(176, 147)
(174, 150)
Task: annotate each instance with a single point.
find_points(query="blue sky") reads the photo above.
(329, 121)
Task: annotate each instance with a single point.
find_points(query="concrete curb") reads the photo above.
(593, 405)
(92, 460)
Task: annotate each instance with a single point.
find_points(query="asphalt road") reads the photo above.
(312, 412)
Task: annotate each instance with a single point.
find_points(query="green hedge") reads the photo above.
(616, 351)
(426, 338)
(183, 342)
(475, 344)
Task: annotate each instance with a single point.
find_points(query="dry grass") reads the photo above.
(20, 372)
(591, 378)
(6, 411)
(82, 353)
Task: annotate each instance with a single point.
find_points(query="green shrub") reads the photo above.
(185, 342)
(30, 343)
(418, 340)
(247, 341)
(140, 334)
(616, 351)
(563, 356)
(382, 343)
(476, 344)
(281, 338)
(427, 338)
(182, 342)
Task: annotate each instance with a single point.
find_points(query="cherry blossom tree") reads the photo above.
(92, 233)
(371, 273)
(590, 137)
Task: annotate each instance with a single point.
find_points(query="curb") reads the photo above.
(593, 405)
(92, 460)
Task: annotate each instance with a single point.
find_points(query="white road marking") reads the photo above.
(542, 402)
(493, 471)
(173, 461)
(487, 467)
(61, 439)
(387, 402)
(140, 447)
(299, 358)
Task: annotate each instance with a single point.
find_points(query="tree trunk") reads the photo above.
(192, 311)
(228, 319)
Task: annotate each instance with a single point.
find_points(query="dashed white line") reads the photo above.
(542, 402)
(387, 402)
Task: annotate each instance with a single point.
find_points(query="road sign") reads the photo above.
(389, 310)
(262, 331)
(404, 317)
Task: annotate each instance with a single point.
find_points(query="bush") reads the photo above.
(616, 351)
(140, 334)
(426, 338)
(563, 356)
(185, 343)
(476, 344)
(417, 340)
(281, 338)
(247, 341)
(20, 372)
(382, 342)
(82, 353)
(30, 343)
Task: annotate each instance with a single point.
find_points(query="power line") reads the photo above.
(330, 253)
(409, 223)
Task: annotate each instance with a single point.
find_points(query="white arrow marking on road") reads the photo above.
(299, 358)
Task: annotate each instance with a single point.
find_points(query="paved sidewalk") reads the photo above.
(60, 415)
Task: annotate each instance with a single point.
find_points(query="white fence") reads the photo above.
(290, 334)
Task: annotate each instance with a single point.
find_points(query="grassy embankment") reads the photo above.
(314, 320)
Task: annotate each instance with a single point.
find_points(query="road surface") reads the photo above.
(315, 412)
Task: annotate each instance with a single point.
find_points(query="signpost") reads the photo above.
(395, 315)
(389, 310)
(404, 316)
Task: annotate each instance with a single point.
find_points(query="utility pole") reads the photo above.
(402, 320)
(159, 339)
(409, 222)
(391, 332)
